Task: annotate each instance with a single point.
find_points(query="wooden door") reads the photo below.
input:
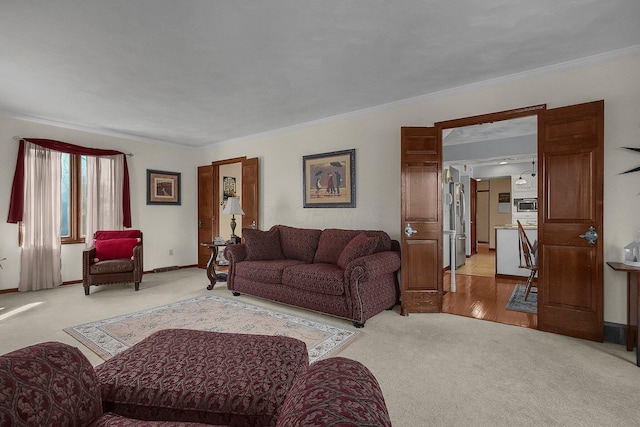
(205, 213)
(571, 162)
(250, 193)
(421, 215)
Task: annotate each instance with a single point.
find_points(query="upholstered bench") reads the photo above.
(206, 377)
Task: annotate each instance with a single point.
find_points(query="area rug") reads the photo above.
(517, 302)
(109, 337)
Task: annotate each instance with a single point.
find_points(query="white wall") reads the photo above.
(376, 137)
(164, 227)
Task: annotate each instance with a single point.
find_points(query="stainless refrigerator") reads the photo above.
(458, 223)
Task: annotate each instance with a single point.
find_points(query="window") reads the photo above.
(74, 198)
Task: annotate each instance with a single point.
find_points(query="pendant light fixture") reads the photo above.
(521, 180)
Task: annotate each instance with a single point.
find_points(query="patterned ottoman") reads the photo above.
(207, 377)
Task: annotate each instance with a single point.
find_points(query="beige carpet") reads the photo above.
(108, 337)
(434, 369)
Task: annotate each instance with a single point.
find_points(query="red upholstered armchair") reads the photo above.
(115, 257)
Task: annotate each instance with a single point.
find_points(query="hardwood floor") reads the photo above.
(480, 295)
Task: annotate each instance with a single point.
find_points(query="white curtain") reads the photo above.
(40, 263)
(104, 194)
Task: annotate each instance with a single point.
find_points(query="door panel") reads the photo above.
(571, 155)
(419, 178)
(422, 211)
(205, 213)
(570, 202)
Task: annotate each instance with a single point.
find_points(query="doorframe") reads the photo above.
(534, 110)
(216, 188)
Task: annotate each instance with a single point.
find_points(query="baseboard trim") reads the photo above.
(163, 269)
(615, 333)
(75, 282)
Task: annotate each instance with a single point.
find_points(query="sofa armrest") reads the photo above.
(373, 265)
(235, 253)
(335, 391)
(138, 262)
(88, 256)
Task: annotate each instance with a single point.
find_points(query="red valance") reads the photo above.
(16, 204)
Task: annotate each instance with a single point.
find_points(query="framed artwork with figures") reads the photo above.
(329, 180)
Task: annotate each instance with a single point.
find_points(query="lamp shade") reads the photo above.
(521, 181)
(233, 207)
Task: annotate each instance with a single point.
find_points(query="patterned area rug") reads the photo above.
(517, 302)
(209, 313)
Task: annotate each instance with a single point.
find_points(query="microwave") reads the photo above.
(526, 205)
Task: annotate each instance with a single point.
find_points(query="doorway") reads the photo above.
(569, 216)
(488, 158)
(237, 177)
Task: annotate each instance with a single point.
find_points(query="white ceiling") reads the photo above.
(492, 149)
(198, 72)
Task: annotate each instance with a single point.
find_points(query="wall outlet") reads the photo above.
(170, 251)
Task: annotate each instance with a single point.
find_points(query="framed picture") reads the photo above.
(228, 187)
(163, 188)
(329, 180)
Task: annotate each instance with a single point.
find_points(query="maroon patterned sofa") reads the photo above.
(53, 384)
(345, 273)
(335, 392)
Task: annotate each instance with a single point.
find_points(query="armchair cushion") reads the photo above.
(115, 248)
(112, 266)
(359, 246)
(116, 234)
(262, 245)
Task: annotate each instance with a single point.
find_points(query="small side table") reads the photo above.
(214, 276)
(633, 303)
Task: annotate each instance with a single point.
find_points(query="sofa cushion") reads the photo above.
(299, 243)
(264, 271)
(262, 245)
(359, 246)
(115, 248)
(332, 242)
(384, 241)
(318, 277)
(109, 266)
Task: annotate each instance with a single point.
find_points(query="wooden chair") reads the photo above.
(115, 257)
(528, 255)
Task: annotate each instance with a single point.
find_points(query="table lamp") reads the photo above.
(233, 208)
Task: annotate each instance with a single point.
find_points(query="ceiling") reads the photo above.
(200, 72)
(493, 149)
